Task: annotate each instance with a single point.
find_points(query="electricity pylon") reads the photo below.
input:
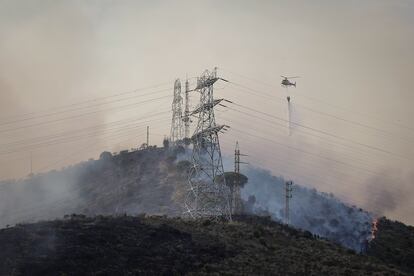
(186, 119)
(208, 194)
(288, 190)
(177, 114)
(236, 206)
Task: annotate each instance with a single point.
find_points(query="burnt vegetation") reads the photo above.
(394, 244)
(104, 241)
(79, 245)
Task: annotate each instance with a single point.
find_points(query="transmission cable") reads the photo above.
(322, 132)
(83, 114)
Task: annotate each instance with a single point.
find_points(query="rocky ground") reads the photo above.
(125, 245)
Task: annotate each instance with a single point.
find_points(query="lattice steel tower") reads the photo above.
(235, 202)
(208, 194)
(177, 117)
(186, 119)
(288, 195)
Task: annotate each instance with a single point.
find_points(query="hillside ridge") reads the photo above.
(111, 245)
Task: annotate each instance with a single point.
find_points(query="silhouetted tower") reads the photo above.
(236, 205)
(177, 114)
(288, 190)
(31, 165)
(186, 118)
(147, 136)
(208, 194)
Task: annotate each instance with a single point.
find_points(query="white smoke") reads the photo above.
(43, 196)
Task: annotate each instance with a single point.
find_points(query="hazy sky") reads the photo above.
(355, 59)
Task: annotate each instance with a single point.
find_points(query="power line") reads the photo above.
(92, 127)
(90, 100)
(286, 159)
(346, 190)
(83, 114)
(35, 207)
(308, 176)
(80, 108)
(31, 208)
(304, 151)
(114, 135)
(323, 102)
(69, 139)
(258, 93)
(324, 132)
(302, 131)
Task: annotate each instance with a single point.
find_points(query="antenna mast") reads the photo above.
(288, 190)
(187, 111)
(31, 165)
(236, 205)
(176, 124)
(208, 194)
(147, 136)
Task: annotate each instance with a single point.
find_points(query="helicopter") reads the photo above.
(286, 82)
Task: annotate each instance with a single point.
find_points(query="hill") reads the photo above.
(154, 180)
(101, 245)
(127, 182)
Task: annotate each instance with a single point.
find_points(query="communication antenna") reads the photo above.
(288, 190)
(31, 165)
(208, 195)
(236, 205)
(186, 118)
(147, 136)
(177, 114)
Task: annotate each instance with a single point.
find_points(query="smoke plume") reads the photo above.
(319, 213)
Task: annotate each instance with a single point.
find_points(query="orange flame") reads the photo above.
(374, 229)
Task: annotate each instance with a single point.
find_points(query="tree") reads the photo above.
(233, 179)
(166, 143)
(184, 166)
(106, 156)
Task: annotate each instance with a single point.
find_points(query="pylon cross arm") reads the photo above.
(207, 131)
(206, 83)
(206, 106)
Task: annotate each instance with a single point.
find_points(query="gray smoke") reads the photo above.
(149, 181)
(140, 181)
(320, 213)
(44, 196)
(388, 191)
